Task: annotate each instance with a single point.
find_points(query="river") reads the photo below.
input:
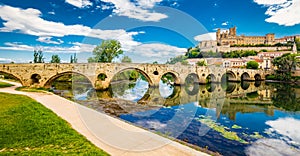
(247, 118)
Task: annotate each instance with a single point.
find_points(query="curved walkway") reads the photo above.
(110, 134)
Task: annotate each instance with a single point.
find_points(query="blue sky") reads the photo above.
(149, 30)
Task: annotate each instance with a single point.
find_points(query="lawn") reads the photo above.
(29, 128)
(3, 84)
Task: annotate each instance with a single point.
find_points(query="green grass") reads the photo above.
(3, 85)
(28, 128)
(28, 89)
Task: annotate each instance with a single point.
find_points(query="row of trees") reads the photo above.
(38, 57)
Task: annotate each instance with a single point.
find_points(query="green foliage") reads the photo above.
(285, 64)
(28, 128)
(270, 77)
(252, 95)
(73, 59)
(126, 59)
(176, 59)
(252, 65)
(102, 77)
(38, 56)
(55, 59)
(106, 51)
(4, 85)
(155, 62)
(201, 63)
(239, 53)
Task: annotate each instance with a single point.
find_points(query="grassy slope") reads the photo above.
(3, 85)
(28, 128)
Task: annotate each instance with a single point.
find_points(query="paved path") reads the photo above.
(110, 134)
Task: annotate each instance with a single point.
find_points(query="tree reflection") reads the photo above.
(286, 97)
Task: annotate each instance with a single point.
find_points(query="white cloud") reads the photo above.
(207, 36)
(138, 11)
(282, 12)
(225, 23)
(51, 13)
(76, 47)
(5, 60)
(80, 3)
(288, 127)
(49, 41)
(28, 21)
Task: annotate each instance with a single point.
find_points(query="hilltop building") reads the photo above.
(230, 38)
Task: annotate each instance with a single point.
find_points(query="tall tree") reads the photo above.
(38, 56)
(55, 59)
(126, 59)
(35, 56)
(73, 59)
(106, 51)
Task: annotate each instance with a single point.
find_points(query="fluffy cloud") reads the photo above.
(154, 52)
(28, 21)
(225, 23)
(49, 41)
(76, 47)
(138, 11)
(80, 3)
(282, 12)
(5, 60)
(207, 36)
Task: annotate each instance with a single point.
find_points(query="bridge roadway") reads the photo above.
(43, 74)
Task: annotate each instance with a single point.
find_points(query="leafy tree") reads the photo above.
(155, 62)
(126, 59)
(38, 56)
(252, 65)
(55, 59)
(176, 59)
(106, 51)
(285, 64)
(201, 63)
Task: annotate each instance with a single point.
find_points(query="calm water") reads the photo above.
(248, 118)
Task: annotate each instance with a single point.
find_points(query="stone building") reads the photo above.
(230, 38)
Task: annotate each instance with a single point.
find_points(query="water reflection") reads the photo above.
(252, 117)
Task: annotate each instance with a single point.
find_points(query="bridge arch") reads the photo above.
(35, 79)
(175, 76)
(12, 76)
(257, 77)
(245, 77)
(192, 84)
(211, 78)
(52, 78)
(229, 76)
(150, 81)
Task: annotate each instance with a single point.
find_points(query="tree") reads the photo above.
(285, 64)
(126, 59)
(201, 63)
(155, 62)
(252, 65)
(176, 59)
(106, 51)
(38, 56)
(73, 59)
(55, 59)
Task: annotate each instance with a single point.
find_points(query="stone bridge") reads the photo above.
(101, 74)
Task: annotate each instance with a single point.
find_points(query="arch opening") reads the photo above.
(229, 87)
(211, 87)
(245, 85)
(211, 78)
(71, 85)
(35, 79)
(245, 77)
(191, 84)
(167, 84)
(9, 76)
(257, 77)
(130, 84)
(102, 76)
(228, 76)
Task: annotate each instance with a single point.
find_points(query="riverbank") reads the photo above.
(110, 134)
(28, 128)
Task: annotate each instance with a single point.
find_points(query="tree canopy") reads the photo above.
(106, 51)
(285, 64)
(55, 59)
(126, 59)
(252, 65)
(38, 56)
